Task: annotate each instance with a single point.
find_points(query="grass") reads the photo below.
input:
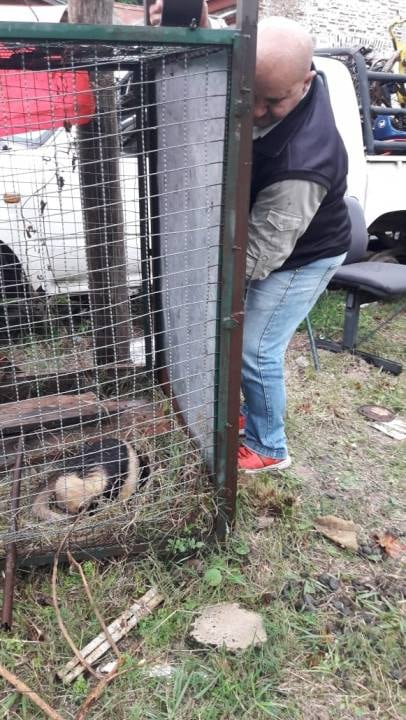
(334, 619)
(327, 318)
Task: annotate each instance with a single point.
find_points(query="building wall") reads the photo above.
(342, 22)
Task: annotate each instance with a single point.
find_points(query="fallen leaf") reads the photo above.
(342, 532)
(391, 545)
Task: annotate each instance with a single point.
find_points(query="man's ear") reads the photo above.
(308, 79)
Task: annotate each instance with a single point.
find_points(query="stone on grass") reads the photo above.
(228, 625)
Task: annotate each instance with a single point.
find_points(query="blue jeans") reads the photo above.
(274, 308)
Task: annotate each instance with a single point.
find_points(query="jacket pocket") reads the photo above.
(283, 221)
(273, 242)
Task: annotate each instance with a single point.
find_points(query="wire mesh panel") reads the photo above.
(112, 194)
(191, 94)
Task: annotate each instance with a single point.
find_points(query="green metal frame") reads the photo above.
(115, 34)
(232, 264)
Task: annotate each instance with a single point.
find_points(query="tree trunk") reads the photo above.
(91, 12)
(99, 152)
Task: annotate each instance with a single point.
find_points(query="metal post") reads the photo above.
(232, 270)
(351, 317)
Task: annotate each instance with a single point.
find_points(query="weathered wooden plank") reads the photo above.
(94, 650)
(49, 409)
(19, 385)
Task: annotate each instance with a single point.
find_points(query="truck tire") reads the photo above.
(16, 297)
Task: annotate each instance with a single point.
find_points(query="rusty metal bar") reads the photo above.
(232, 270)
(11, 548)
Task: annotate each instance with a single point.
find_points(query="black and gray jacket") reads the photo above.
(306, 145)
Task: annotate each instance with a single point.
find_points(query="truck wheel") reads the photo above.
(18, 308)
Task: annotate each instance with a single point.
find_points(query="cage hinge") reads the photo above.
(233, 321)
(243, 104)
(242, 107)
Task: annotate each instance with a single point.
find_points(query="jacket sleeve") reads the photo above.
(281, 213)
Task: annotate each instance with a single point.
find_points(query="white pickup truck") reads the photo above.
(42, 239)
(377, 168)
(41, 213)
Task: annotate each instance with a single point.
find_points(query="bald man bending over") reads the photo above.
(299, 229)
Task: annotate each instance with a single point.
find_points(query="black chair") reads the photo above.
(364, 282)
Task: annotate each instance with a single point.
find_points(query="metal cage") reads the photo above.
(124, 201)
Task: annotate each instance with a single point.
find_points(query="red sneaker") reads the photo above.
(250, 462)
(241, 425)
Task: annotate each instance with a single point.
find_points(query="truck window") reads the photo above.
(32, 139)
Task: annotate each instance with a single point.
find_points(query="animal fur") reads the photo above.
(106, 468)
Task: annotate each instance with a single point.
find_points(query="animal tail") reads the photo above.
(133, 474)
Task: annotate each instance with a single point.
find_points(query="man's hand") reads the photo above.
(155, 14)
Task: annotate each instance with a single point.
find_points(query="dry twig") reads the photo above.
(61, 624)
(93, 604)
(97, 691)
(22, 688)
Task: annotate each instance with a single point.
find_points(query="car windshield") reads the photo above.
(32, 139)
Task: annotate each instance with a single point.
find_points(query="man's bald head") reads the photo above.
(283, 68)
(282, 43)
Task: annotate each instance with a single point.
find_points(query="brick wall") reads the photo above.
(342, 22)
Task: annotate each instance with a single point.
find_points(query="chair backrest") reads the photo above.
(359, 232)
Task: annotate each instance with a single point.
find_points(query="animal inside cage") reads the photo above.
(121, 284)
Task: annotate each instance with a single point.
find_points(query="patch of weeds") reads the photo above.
(7, 703)
(220, 573)
(224, 687)
(239, 546)
(132, 673)
(26, 709)
(69, 581)
(186, 542)
(327, 319)
(364, 644)
(80, 688)
(89, 568)
(347, 480)
(289, 482)
(163, 629)
(136, 712)
(13, 646)
(326, 316)
(184, 545)
(269, 499)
